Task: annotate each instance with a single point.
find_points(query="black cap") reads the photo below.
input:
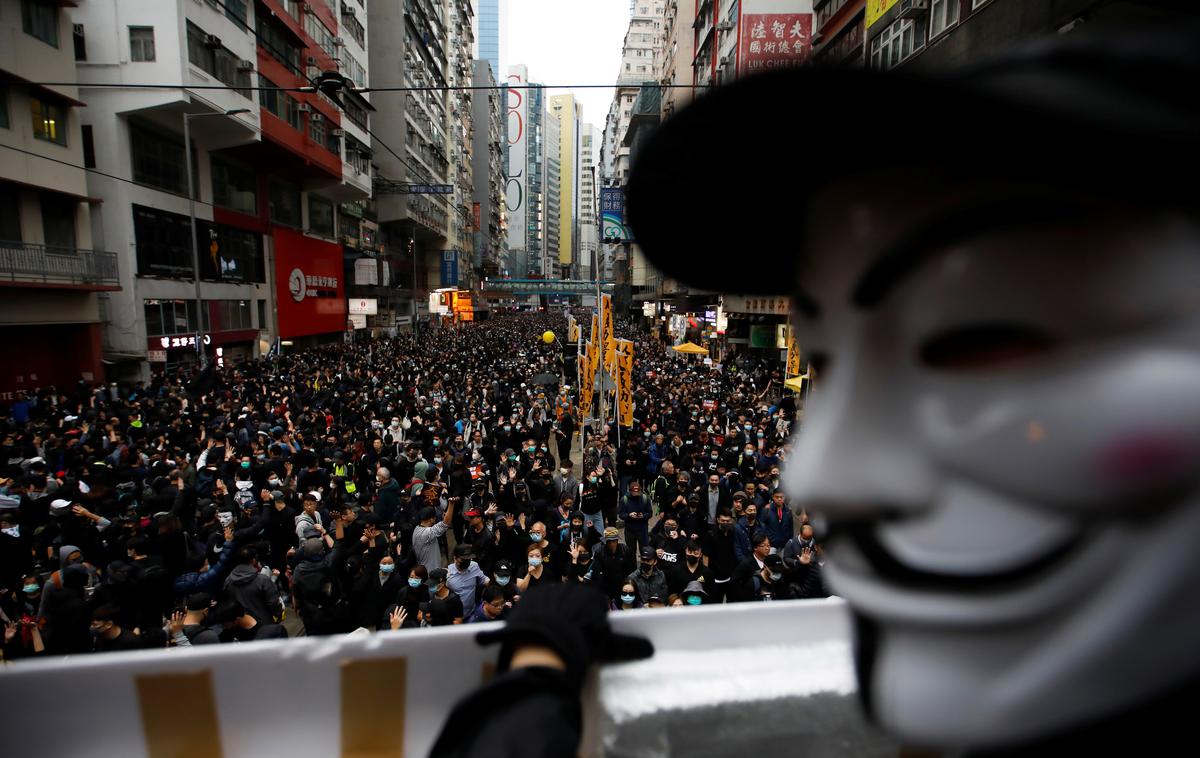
(437, 576)
(1089, 90)
(773, 561)
(463, 550)
(503, 568)
(648, 554)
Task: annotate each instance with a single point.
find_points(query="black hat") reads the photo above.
(437, 576)
(648, 554)
(463, 550)
(773, 561)
(503, 568)
(1090, 90)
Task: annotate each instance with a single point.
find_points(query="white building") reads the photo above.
(51, 279)
(589, 235)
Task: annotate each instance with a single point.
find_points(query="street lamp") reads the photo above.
(187, 156)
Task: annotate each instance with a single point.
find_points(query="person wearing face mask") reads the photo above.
(649, 579)
(668, 543)
(108, 635)
(636, 511)
(690, 568)
(538, 536)
(627, 599)
(714, 496)
(565, 481)
(308, 517)
(747, 525)
(465, 577)
(502, 579)
(536, 571)
(445, 607)
(411, 595)
(590, 500)
(693, 520)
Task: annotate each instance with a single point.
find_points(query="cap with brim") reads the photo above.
(694, 588)
(1101, 112)
(58, 504)
(611, 534)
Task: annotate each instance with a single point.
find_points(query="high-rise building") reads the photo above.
(566, 110)
(460, 38)
(50, 276)
(589, 230)
(488, 172)
(272, 171)
(525, 182)
(550, 265)
(489, 33)
(679, 45)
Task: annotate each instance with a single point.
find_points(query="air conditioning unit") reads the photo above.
(348, 10)
(245, 66)
(725, 26)
(913, 8)
(339, 42)
(311, 60)
(212, 40)
(337, 132)
(303, 108)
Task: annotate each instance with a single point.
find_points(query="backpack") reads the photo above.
(243, 498)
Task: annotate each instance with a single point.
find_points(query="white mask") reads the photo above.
(991, 470)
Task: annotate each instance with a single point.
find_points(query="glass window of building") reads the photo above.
(283, 202)
(942, 15)
(234, 187)
(320, 215)
(49, 120)
(157, 159)
(58, 220)
(39, 18)
(141, 43)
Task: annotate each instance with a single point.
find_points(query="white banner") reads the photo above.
(366, 271)
(368, 306)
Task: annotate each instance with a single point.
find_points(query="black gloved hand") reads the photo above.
(572, 620)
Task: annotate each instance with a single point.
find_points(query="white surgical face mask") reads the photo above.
(1043, 469)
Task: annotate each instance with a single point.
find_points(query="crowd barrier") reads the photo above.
(387, 694)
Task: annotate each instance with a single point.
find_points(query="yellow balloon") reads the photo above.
(548, 338)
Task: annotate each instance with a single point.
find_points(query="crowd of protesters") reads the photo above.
(389, 484)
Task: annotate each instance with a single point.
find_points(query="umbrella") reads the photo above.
(690, 349)
(546, 379)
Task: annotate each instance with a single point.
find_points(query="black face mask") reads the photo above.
(464, 563)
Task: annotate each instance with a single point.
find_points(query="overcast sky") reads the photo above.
(568, 42)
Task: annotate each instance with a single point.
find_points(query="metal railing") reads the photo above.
(29, 262)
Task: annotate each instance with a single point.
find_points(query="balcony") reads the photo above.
(30, 265)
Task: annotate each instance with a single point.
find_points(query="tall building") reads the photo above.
(551, 149)
(589, 230)
(679, 47)
(51, 278)
(488, 172)
(271, 169)
(566, 110)
(489, 33)
(525, 178)
(460, 138)
(408, 48)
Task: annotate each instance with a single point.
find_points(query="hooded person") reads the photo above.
(68, 555)
(254, 590)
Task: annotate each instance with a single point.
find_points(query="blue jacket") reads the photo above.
(209, 581)
(741, 542)
(658, 454)
(778, 528)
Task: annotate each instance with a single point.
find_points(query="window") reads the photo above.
(320, 215)
(80, 43)
(167, 317)
(230, 315)
(206, 53)
(279, 103)
(235, 10)
(10, 212)
(262, 314)
(234, 187)
(4, 122)
(283, 203)
(278, 42)
(316, 29)
(942, 15)
(39, 18)
(316, 128)
(58, 220)
(894, 45)
(158, 159)
(141, 44)
(49, 121)
(163, 243)
(357, 155)
(89, 147)
(354, 112)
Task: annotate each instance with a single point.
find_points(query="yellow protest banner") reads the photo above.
(595, 329)
(793, 354)
(610, 336)
(624, 361)
(572, 330)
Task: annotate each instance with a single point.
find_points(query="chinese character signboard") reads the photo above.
(612, 215)
(367, 306)
(610, 339)
(310, 293)
(449, 268)
(793, 356)
(624, 359)
(876, 9)
(755, 304)
(774, 40)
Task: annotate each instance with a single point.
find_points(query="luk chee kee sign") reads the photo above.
(774, 40)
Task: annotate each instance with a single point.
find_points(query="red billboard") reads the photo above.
(309, 286)
(774, 40)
